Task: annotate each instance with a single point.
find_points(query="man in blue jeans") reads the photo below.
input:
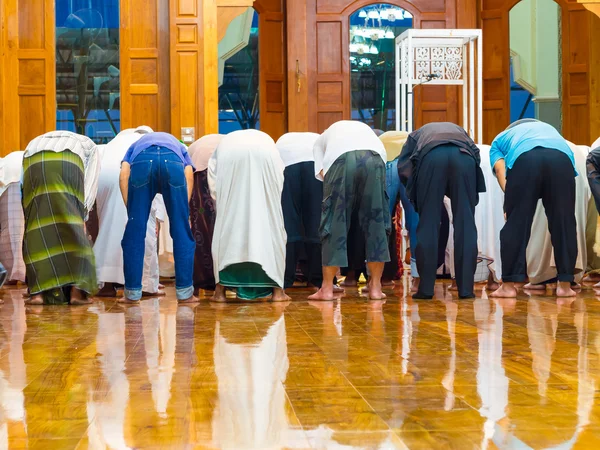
(157, 164)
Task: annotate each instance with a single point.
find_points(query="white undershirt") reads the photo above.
(295, 148)
(343, 137)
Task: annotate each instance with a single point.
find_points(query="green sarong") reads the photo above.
(56, 250)
(249, 279)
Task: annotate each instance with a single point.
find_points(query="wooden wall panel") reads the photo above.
(28, 81)
(272, 65)
(144, 47)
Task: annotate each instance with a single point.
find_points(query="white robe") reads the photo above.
(540, 253)
(489, 216)
(245, 175)
(112, 219)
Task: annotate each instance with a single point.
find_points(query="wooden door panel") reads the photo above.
(144, 48)
(28, 81)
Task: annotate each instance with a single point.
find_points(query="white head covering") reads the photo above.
(201, 150)
(11, 167)
(295, 148)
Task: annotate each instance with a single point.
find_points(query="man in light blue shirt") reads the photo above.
(532, 161)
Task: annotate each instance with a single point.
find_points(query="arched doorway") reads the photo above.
(373, 30)
(575, 58)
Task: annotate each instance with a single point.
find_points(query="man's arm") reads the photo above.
(189, 178)
(500, 169)
(124, 180)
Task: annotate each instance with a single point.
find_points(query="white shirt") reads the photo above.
(295, 148)
(11, 167)
(83, 146)
(343, 137)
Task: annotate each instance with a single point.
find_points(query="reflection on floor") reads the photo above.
(344, 375)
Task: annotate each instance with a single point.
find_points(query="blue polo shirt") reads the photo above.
(512, 143)
(159, 139)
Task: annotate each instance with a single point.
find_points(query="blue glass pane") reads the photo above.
(373, 30)
(238, 94)
(87, 68)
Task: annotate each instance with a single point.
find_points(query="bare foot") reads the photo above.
(592, 278)
(219, 295)
(349, 283)
(375, 292)
(127, 301)
(564, 290)
(415, 285)
(576, 286)
(504, 292)
(323, 294)
(279, 295)
(108, 290)
(492, 286)
(192, 299)
(80, 301)
(159, 293)
(35, 300)
(337, 289)
(535, 287)
(161, 286)
(453, 286)
(387, 282)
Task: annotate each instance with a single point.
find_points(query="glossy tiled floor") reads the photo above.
(344, 375)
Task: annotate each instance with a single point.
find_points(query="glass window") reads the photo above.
(87, 68)
(373, 30)
(238, 75)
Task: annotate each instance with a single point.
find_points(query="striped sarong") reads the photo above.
(56, 250)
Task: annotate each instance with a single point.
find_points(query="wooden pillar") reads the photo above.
(28, 80)
(193, 66)
(594, 71)
(297, 65)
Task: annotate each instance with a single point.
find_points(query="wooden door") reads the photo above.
(272, 66)
(144, 49)
(28, 83)
(328, 66)
(575, 69)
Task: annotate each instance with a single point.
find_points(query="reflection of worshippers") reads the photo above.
(202, 212)
(157, 164)
(532, 161)
(350, 160)
(246, 180)
(12, 221)
(251, 411)
(301, 202)
(112, 219)
(60, 180)
(449, 164)
(393, 142)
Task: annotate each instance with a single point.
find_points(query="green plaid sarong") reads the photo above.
(56, 250)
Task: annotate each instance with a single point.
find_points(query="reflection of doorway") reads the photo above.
(535, 62)
(373, 30)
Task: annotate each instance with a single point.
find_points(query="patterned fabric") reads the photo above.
(398, 229)
(355, 185)
(82, 146)
(56, 250)
(202, 217)
(12, 227)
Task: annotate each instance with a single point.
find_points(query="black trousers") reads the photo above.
(446, 170)
(301, 203)
(547, 174)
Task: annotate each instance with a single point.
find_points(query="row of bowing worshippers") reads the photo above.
(247, 214)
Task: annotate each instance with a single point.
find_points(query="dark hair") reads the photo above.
(519, 122)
